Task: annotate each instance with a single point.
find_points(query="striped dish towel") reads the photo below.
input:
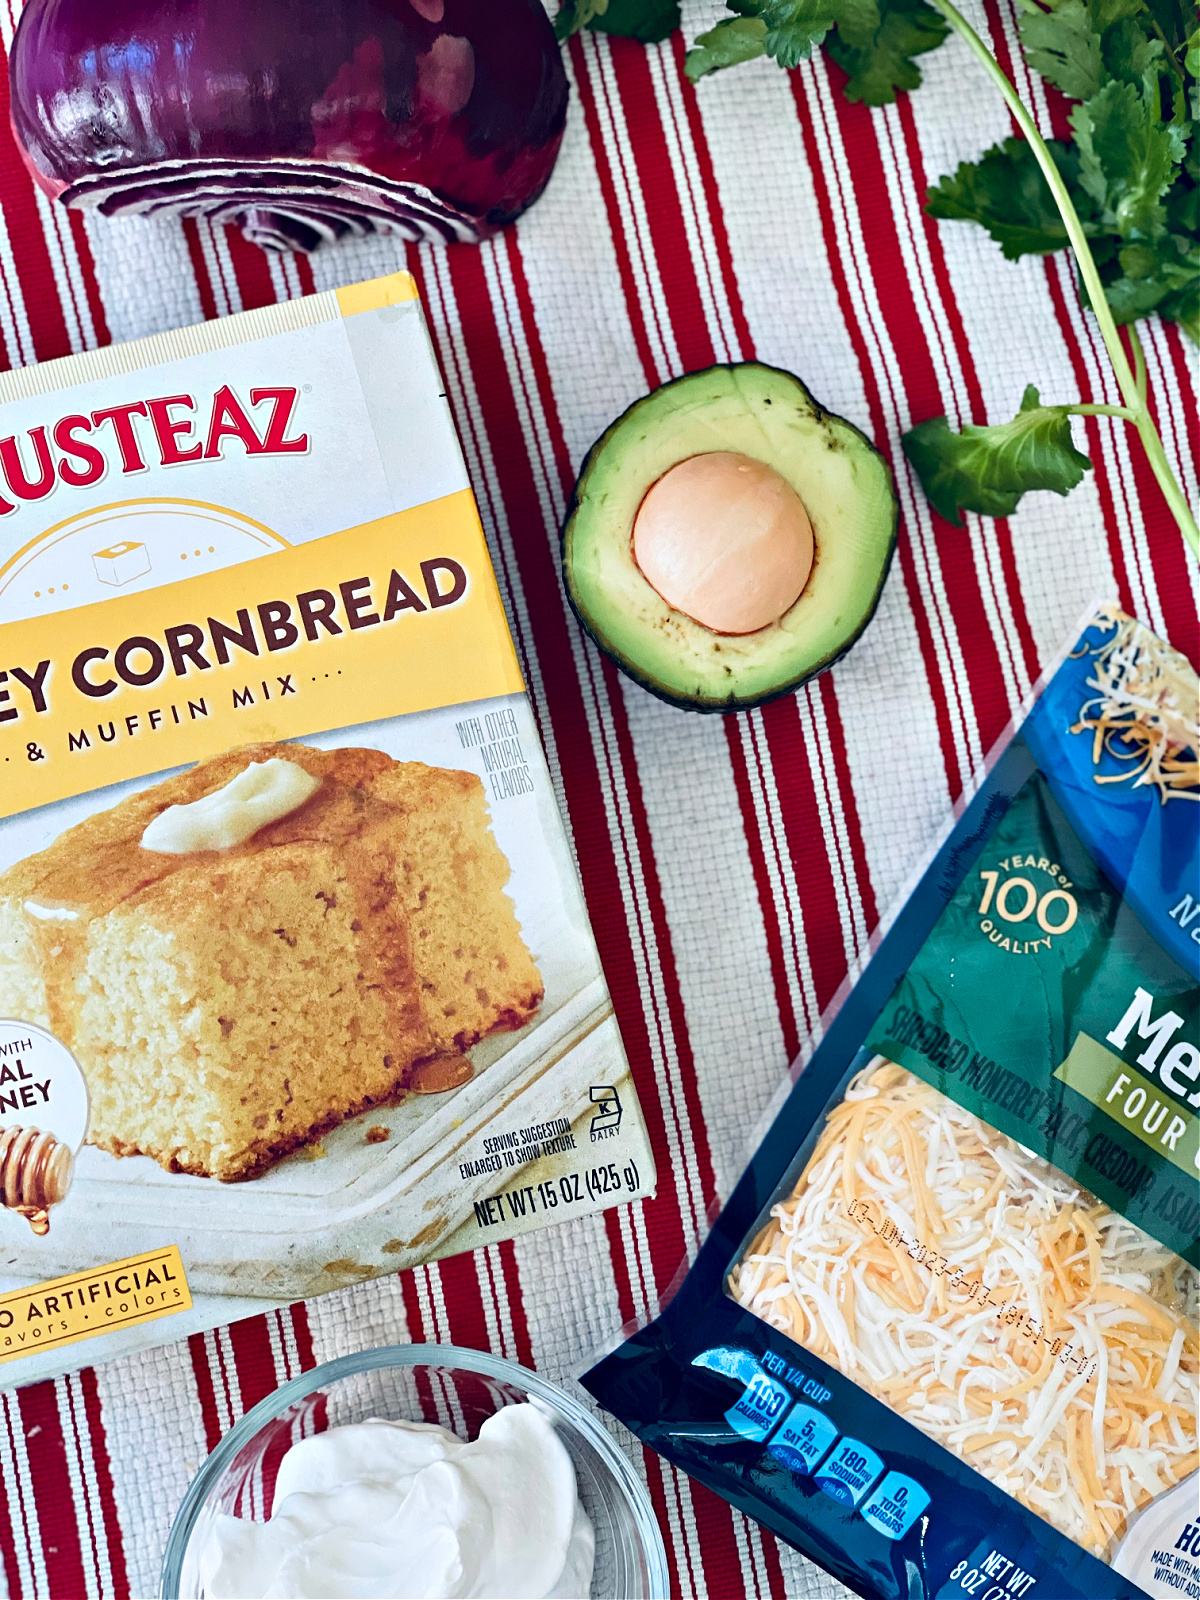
(734, 867)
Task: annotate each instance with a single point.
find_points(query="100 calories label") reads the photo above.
(806, 1441)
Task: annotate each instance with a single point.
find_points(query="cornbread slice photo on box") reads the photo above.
(251, 952)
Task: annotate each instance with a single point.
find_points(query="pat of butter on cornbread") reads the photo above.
(230, 1005)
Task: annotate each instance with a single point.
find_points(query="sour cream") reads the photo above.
(725, 539)
(261, 793)
(403, 1509)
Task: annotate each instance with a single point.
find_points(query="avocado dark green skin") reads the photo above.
(734, 702)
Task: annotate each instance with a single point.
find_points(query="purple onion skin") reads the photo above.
(465, 99)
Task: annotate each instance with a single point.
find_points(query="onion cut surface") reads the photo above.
(300, 121)
(1084, 1434)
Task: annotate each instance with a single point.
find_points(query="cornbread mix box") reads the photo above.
(296, 980)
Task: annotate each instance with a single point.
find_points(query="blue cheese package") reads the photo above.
(942, 1338)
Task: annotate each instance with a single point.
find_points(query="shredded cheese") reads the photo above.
(990, 1301)
(1145, 711)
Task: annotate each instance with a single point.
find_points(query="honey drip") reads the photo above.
(35, 1174)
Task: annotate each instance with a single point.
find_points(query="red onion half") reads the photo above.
(301, 120)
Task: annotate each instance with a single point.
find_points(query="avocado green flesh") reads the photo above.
(844, 483)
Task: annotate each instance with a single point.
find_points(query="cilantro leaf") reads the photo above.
(989, 469)
(1163, 277)
(859, 21)
(1130, 55)
(732, 41)
(878, 55)
(1189, 94)
(1105, 12)
(793, 27)
(1182, 206)
(1176, 18)
(1064, 46)
(1005, 191)
(875, 39)
(649, 21)
(1183, 307)
(576, 14)
(1127, 158)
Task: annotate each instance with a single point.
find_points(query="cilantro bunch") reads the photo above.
(875, 41)
(1133, 172)
(1123, 195)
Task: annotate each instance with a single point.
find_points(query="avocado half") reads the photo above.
(846, 487)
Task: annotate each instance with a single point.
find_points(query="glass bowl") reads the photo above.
(421, 1383)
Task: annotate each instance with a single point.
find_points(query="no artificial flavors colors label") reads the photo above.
(65, 1310)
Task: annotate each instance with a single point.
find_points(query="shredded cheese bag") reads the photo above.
(998, 1306)
(943, 1337)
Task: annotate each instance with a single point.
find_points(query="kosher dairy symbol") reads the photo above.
(606, 1119)
(43, 1118)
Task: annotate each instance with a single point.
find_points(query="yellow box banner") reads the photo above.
(65, 1310)
(393, 616)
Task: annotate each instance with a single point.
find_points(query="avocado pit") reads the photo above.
(725, 539)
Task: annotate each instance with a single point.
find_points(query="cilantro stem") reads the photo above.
(1091, 410)
(1139, 360)
(1166, 44)
(1136, 409)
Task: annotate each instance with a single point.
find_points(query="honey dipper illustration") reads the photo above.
(35, 1174)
